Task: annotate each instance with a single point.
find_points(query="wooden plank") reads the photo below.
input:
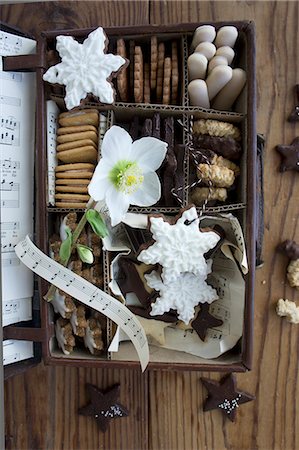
(42, 404)
(176, 398)
(36, 17)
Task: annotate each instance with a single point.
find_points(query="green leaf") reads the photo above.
(97, 223)
(85, 253)
(66, 247)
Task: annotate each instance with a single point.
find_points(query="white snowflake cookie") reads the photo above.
(180, 247)
(181, 294)
(85, 68)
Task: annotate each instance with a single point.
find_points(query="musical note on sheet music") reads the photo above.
(86, 293)
(10, 194)
(9, 259)
(8, 164)
(9, 131)
(14, 351)
(14, 311)
(52, 115)
(9, 42)
(13, 76)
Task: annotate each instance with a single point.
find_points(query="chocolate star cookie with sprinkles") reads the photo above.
(103, 406)
(290, 156)
(205, 320)
(223, 395)
(294, 116)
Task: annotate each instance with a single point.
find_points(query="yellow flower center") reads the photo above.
(126, 176)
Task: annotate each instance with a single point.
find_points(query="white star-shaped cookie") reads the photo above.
(181, 294)
(179, 247)
(85, 68)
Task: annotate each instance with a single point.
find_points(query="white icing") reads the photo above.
(181, 294)
(59, 332)
(84, 68)
(179, 248)
(62, 230)
(58, 303)
(89, 340)
(74, 321)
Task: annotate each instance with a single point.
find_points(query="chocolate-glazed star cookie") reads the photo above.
(290, 156)
(103, 406)
(205, 320)
(225, 396)
(294, 116)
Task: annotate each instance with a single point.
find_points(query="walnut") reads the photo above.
(223, 162)
(288, 309)
(200, 194)
(293, 273)
(219, 176)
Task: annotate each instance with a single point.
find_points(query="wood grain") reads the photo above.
(166, 408)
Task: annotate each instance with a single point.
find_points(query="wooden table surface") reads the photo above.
(166, 408)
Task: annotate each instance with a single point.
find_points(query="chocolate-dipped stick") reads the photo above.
(171, 162)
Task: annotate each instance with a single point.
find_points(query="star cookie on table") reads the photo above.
(85, 68)
(294, 116)
(181, 294)
(223, 395)
(179, 247)
(103, 406)
(290, 156)
(205, 320)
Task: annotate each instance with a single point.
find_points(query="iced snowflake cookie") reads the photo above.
(181, 294)
(179, 246)
(85, 68)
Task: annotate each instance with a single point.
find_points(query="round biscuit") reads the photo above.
(122, 77)
(72, 189)
(76, 129)
(67, 205)
(72, 197)
(161, 53)
(74, 166)
(154, 61)
(72, 182)
(75, 144)
(81, 154)
(138, 75)
(166, 81)
(71, 137)
(74, 174)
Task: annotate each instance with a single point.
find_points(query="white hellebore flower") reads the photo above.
(125, 175)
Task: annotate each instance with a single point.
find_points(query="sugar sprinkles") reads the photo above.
(113, 411)
(229, 405)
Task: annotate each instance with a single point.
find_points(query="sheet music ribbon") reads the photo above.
(86, 293)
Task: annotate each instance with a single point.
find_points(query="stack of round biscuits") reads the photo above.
(77, 154)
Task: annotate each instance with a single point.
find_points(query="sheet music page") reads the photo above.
(17, 140)
(11, 45)
(15, 351)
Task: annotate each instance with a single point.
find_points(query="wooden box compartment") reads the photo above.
(242, 205)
